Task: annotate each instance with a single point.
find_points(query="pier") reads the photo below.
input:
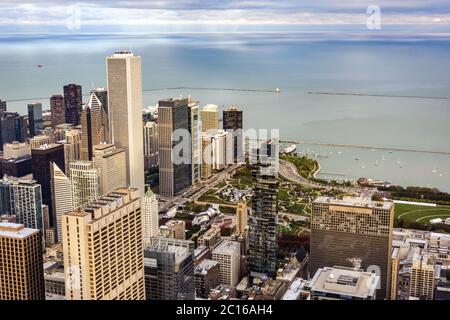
(365, 147)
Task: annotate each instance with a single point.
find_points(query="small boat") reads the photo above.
(40, 66)
(357, 158)
(382, 158)
(390, 151)
(376, 163)
(277, 90)
(363, 165)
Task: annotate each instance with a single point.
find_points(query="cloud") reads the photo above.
(225, 12)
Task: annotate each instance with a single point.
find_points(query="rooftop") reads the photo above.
(345, 281)
(205, 266)
(15, 230)
(355, 202)
(227, 247)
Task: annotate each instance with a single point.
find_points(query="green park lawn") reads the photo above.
(420, 213)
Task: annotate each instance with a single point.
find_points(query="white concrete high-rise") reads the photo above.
(125, 112)
(150, 217)
(61, 196)
(85, 178)
(111, 162)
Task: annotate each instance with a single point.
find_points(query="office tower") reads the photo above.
(222, 150)
(49, 232)
(16, 150)
(150, 217)
(206, 277)
(422, 284)
(207, 155)
(394, 276)
(173, 114)
(233, 121)
(262, 255)
(61, 129)
(210, 118)
(339, 283)
(42, 158)
(102, 95)
(2, 106)
(27, 199)
(93, 132)
(169, 270)
(72, 147)
(110, 269)
(125, 112)
(22, 275)
(210, 238)
(6, 200)
(353, 232)
(73, 102)
(111, 162)
(16, 167)
(35, 122)
(62, 198)
(266, 155)
(39, 140)
(58, 114)
(174, 229)
(194, 130)
(85, 179)
(150, 145)
(228, 254)
(241, 217)
(13, 128)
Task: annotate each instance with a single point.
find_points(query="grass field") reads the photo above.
(420, 213)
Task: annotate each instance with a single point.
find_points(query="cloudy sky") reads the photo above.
(101, 14)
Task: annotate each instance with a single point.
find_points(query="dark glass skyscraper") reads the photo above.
(73, 101)
(57, 110)
(173, 114)
(42, 159)
(2, 105)
(262, 255)
(12, 127)
(232, 120)
(35, 122)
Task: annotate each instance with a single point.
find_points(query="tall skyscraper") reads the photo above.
(151, 147)
(12, 128)
(222, 149)
(110, 269)
(39, 140)
(233, 121)
(150, 217)
(423, 282)
(42, 158)
(2, 106)
(111, 162)
(241, 217)
(169, 270)
(352, 232)
(92, 130)
(262, 255)
(85, 178)
(210, 118)
(102, 95)
(73, 102)
(21, 272)
(207, 155)
(35, 121)
(125, 112)
(72, 147)
(194, 130)
(27, 201)
(173, 114)
(58, 114)
(62, 197)
(228, 254)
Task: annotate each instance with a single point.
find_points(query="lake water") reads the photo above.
(294, 62)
